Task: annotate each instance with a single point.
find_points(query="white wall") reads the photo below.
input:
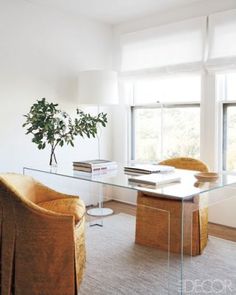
(222, 204)
(41, 53)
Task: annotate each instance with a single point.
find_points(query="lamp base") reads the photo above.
(100, 212)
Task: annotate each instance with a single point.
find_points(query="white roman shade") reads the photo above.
(167, 45)
(222, 36)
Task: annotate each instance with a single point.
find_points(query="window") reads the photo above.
(166, 111)
(226, 94)
(164, 132)
(170, 128)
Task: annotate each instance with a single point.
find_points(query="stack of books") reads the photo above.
(147, 169)
(91, 166)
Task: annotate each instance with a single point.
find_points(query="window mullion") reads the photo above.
(224, 137)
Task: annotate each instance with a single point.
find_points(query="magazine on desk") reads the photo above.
(94, 165)
(147, 168)
(155, 179)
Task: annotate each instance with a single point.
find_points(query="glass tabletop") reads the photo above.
(187, 187)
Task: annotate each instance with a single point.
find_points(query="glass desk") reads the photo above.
(169, 246)
(187, 188)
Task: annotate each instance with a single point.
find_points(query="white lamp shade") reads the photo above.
(98, 87)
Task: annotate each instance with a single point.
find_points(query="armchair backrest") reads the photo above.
(27, 188)
(23, 186)
(186, 163)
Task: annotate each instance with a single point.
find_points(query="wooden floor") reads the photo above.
(216, 230)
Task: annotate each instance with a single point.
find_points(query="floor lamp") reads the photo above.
(98, 87)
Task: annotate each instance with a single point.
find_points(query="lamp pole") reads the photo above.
(98, 87)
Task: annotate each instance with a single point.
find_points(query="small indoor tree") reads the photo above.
(51, 126)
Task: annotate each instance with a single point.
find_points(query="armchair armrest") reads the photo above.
(44, 193)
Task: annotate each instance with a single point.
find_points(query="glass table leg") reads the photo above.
(100, 211)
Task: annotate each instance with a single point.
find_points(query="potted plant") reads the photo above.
(51, 126)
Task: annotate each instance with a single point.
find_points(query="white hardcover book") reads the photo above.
(94, 169)
(93, 164)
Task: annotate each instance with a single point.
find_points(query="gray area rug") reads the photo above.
(115, 265)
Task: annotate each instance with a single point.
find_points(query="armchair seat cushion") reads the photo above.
(68, 206)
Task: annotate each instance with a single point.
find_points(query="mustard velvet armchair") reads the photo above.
(153, 227)
(42, 238)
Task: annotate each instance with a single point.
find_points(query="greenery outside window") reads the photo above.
(165, 131)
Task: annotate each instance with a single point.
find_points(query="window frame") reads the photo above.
(221, 97)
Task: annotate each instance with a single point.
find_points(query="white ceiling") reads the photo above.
(115, 11)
